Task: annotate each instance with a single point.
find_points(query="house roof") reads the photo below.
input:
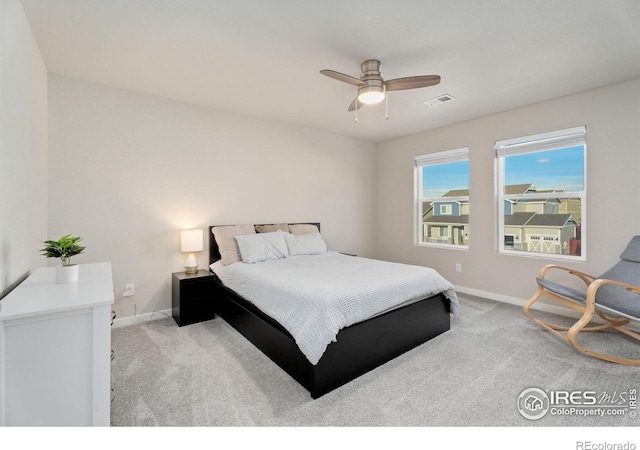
(509, 190)
(551, 220)
(518, 219)
(533, 219)
(513, 189)
(456, 220)
(538, 200)
(457, 193)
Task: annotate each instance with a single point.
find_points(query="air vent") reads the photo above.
(439, 100)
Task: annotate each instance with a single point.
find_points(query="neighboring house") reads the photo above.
(540, 233)
(447, 229)
(447, 222)
(546, 225)
(572, 206)
(540, 206)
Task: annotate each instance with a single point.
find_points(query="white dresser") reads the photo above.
(55, 345)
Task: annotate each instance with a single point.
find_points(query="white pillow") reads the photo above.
(227, 245)
(262, 246)
(305, 244)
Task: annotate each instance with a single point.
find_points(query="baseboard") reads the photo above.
(561, 311)
(135, 320)
(540, 306)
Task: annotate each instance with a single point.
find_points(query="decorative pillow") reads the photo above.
(302, 228)
(262, 247)
(305, 244)
(271, 228)
(632, 252)
(227, 245)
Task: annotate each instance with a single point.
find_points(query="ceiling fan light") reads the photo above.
(370, 97)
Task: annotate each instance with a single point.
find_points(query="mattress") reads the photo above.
(314, 296)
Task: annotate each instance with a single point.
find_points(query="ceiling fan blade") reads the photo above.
(399, 84)
(342, 77)
(355, 102)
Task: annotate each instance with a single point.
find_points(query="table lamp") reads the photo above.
(191, 241)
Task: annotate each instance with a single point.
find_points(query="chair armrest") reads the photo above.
(588, 279)
(597, 284)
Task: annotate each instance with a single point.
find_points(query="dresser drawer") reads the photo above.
(197, 310)
(193, 298)
(191, 289)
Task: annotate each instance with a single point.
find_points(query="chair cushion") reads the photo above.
(632, 252)
(562, 290)
(616, 297)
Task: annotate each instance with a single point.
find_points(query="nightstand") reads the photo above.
(192, 297)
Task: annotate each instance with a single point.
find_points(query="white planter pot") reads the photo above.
(66, 274)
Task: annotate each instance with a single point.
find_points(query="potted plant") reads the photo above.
(64, 248)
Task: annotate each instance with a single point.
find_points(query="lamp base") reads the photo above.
(191, 266)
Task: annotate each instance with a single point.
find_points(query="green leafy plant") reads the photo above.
(64, 248)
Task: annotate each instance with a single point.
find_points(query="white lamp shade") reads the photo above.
(191, 241)
(371, 93)
(371, 97)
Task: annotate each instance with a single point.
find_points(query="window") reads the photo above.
(542, 194)
(442, 198)
(446, 210)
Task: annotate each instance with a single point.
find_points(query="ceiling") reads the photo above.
(263, 58)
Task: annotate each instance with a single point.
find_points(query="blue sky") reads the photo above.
(552, 169)
(438, 179)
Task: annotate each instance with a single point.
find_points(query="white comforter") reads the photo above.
(314, 296)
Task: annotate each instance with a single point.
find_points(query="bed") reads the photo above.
(251, 297)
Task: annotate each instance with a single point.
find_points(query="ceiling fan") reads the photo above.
(372, 87)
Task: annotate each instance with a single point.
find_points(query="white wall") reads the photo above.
(23, 148)
(128, 171)
(611, 116)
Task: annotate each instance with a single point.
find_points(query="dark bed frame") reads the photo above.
(358, 349)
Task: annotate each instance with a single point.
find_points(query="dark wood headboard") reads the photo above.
(214, 251)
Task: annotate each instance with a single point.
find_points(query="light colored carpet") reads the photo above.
(207, 375)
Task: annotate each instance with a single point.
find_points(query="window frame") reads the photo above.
(441, 157)
(536, 143)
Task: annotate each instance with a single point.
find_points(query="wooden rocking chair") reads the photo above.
(614, 296)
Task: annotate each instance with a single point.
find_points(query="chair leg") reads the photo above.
(610, 323)
(581, 326)
(614, 324)
(527, 310)
(549, 326)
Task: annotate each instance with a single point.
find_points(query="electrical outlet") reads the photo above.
(458, 267)
(129, 290)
